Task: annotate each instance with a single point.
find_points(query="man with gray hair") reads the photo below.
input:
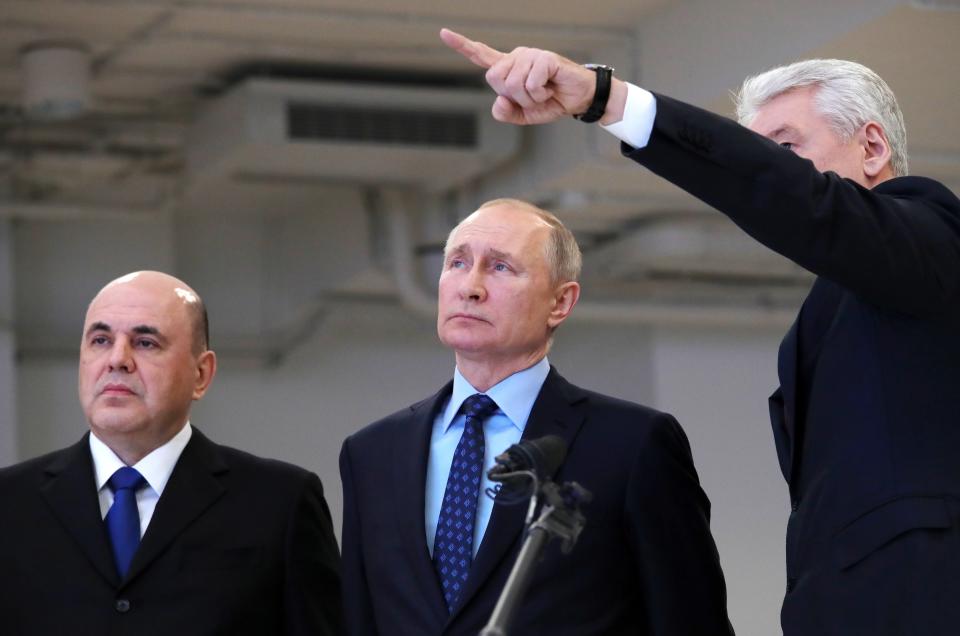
(865, 419)
(426, 552)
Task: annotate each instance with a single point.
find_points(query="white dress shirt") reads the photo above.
(638, 115)
(156, 468)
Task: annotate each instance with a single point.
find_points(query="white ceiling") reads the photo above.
(155, 64)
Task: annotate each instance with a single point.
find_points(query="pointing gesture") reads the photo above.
(534, 86)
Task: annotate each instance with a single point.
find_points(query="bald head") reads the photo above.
(168, 289)
(143, 362)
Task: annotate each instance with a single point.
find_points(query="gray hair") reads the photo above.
(849, 95)
(562, 252)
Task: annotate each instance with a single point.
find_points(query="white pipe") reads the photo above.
(56, 80)
(397, 205)
(67, 212)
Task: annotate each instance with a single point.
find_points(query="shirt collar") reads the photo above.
(514, 394)
(156, 467)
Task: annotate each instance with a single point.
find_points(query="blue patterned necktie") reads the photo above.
(453, 543)
(123, 518)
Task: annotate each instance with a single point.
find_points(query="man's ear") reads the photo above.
(565, 297)
(206, 369)
(877, 153)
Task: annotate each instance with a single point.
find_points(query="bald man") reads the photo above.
(145, 526)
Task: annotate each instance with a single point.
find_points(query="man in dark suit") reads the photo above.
(426, 552)
(867, 417)
(231, 544)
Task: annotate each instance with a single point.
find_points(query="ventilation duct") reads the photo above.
(364, 133)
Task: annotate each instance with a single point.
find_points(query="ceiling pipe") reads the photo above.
(55, 79)
(398, 207)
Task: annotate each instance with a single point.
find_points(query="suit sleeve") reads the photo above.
(312, 582)
(897, 245)
(357, 604)
(668, 517)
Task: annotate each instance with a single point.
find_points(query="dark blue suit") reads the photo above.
(645, 563)
(867, 417)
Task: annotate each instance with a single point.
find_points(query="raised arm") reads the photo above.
(534, 86)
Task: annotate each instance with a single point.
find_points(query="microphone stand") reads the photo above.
(560, 518)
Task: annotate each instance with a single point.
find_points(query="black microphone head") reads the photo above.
(542, 455)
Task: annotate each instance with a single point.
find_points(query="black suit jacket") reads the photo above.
(867, 416)
(644, 564)
(237, 545)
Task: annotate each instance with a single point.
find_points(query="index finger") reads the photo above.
(477, 52)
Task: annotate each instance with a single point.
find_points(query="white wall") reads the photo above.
(8, 379)
(361, 365)
(716, 382)
(367, 361)
(8, 399)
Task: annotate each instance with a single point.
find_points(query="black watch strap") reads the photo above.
(599, 104)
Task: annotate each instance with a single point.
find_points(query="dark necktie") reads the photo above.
(453, 543)
(123, 518)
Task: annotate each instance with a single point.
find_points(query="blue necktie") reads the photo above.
(123, 518)
(453, 543)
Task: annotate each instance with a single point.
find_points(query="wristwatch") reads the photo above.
(599, 104)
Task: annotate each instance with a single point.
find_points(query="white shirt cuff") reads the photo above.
(638, 115)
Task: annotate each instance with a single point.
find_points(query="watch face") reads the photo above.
(594, 67)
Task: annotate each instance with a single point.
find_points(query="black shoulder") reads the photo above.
(922, 189)
(632, 425)
(237, 458)
(33, 469)
(248, 471)
(390, 425)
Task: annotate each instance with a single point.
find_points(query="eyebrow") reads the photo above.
(781, 130)
(99, 326)
(498, 254)
(491, 253)
(139, 329)
(457, 249)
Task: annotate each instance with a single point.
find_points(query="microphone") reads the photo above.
(543, 456)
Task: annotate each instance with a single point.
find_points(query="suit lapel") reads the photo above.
(71, 492)
(555, 412)
(797, 362)
(783, 402)
(193, 487)
(411, 449)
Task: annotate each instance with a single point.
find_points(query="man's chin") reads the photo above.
(463, 340)
(110, 422)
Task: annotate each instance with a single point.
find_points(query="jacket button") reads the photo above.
(122, 605)
(794, 505)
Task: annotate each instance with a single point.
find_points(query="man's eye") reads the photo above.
(786, 144)
(501, 267)
(456, 263)
(98, 340)
(146, 344)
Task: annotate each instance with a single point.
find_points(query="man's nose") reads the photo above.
(474, 285)
(121, 355)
